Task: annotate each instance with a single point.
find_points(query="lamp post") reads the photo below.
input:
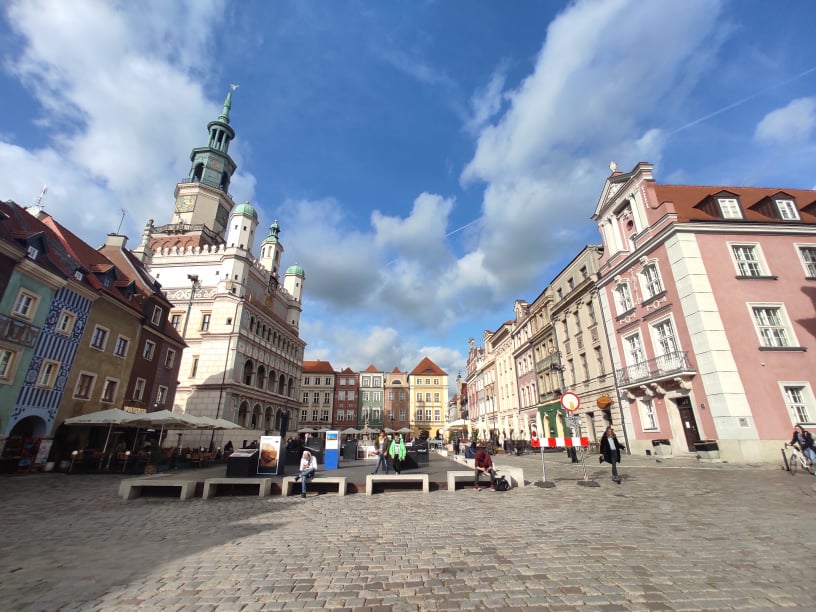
(226, 365)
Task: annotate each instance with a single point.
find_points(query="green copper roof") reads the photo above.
(224, 116)
(296, 270)
(246, 210)
(274, 230)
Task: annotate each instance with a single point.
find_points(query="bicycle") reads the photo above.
(796, 460)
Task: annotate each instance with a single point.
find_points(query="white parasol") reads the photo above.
(109, 417)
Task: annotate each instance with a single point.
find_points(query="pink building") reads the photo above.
(708, 296)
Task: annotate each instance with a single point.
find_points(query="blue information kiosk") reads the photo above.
(331, 454)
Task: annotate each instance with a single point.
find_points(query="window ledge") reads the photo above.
(759, 277)
(810, 278)
(784, 349)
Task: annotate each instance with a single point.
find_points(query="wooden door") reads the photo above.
(688, 421)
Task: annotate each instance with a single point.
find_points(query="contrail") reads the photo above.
(743, 101)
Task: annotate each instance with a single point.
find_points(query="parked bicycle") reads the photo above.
(795, 460)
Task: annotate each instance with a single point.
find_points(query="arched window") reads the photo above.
(260, 379)
(242, 414)
(248, 371)
(281, 383)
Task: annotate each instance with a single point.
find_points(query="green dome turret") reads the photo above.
(245, 209)
(296, 270)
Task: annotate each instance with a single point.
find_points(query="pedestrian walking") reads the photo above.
(611, 451)
(382, 453)
(456, 444)
(308, 468)
(483, 464)
(397, 452)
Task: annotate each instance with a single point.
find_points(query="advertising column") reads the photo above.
(331, 456)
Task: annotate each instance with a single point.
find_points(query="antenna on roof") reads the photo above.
(122, 220)
(44, 190)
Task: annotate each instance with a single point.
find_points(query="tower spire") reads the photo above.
(224, 116)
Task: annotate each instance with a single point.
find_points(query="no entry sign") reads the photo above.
(570, 402)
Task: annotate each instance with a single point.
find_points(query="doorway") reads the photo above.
(688, 421)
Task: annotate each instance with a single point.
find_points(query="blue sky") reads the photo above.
(429, 162)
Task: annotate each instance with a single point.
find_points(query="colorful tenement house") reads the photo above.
(429, 397)
(346, 399)
(708, 298)
(371, 399)
(318, 390)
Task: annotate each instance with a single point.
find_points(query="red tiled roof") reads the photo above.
(371, 368)
(426, 366)
(317, 367)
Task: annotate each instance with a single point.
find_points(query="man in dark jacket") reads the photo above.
(484, 465)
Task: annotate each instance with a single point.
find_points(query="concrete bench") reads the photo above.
(397, 478)
(288, 481)
(131, 489)
(515, 476)
(211, 485)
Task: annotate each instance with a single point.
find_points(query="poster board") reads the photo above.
(270, 455)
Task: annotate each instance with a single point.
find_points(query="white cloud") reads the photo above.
(791, 124)
(487, 102)
(601, 74)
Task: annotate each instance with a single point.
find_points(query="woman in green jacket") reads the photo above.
(397, 452)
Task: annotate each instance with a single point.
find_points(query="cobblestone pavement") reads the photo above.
(673, 536)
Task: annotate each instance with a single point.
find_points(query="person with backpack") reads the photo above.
(483, 464)
(397, 452)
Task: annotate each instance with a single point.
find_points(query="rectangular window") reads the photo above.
(25, 305)
(325, 416)
(651, 280)
(787, 210)
(307, 380)
(305, 398)
(341, 395)
(436, 381)
(436, 397)
(376, 396)
(427, 381)
(729, 208)
(402, 397)
(600, 361)
(747, 259)
(770, 325)
(427, 414)
(99, 338)
(808, 254)
(7, 359)
(157, 315)
(647, 415)
(328, 381)
(419, 381)
(84, 386)
(109, 390)
(351, 396)
(48, 374)
(391, 396)
(428, 397)
(194, 367)
(797, 404)
(170, 359)
(205, 321)
(419, 397)
(624, 298)
(149, 349)
(121, 348)
(437, 415)
(175, 321)
(315, 397)
(366, 382)
(327, 398)
(376, 382)
(161, 396)
(139, 389)
(304, 415)
(65, 323)
(665, 341)
(314, 415)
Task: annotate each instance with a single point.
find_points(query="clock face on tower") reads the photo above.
(185, 203)
(215, 164)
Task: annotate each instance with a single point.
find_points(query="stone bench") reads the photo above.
(211, 485)
(397, 478)
(515, 476)
(288, 481)
(131, 489)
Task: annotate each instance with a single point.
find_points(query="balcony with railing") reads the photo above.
(18, 332)
(664, 367)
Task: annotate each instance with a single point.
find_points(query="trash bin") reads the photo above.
(350, 450)
(662, 447)
(243, 463)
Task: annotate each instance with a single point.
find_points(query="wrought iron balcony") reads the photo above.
(18, 332)
(654, 370)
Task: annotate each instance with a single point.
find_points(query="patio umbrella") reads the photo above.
(109, 417)
(388, 430)
(404, 430)
(350, 430)
(323, 430)
(225, 424)
(307, 430)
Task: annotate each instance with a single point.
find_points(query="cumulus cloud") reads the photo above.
(791, 124)
(119, 93)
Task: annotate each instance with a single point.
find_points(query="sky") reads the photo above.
(429, 162)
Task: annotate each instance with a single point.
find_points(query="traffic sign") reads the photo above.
(570, 402)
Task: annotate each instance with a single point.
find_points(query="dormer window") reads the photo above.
(78, 275)
(32, 253)
(787, 210)
(729, 208)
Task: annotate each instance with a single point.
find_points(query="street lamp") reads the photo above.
(194, 280)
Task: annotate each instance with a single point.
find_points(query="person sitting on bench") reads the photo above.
(484, 464)
(308, 467)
